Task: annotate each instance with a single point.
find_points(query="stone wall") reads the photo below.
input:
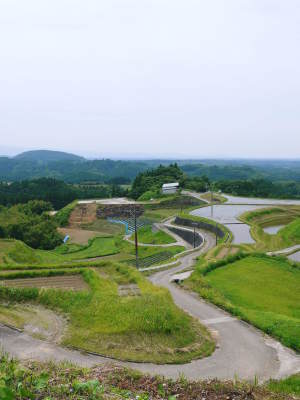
(119, 211)
(188, 236)
(201, 225)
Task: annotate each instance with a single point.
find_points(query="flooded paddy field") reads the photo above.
(228, 216)
(272, 230)
(295, 256)
(259, 201)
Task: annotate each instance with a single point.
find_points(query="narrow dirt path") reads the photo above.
(284, 251)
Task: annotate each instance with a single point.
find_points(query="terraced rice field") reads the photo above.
(65, 282)
(226, 251)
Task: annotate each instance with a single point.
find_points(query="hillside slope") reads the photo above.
(46, 156)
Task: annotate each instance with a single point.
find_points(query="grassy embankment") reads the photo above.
(287, 236)
(146, 326)
(262, 290)
(216, 198)
(14, 253)
(104, 227)
(66, 382)
(148, 236)
(63, 215)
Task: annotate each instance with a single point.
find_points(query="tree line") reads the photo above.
(30, 223)
(57, 192)
(148, 184)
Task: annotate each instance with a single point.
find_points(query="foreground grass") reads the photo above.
(146, 326)
(290, 385)
(262, 290)
(146, 235)
(38, 381)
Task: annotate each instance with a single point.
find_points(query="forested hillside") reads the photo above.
(71, 171)
(45, 156)
(58, 193)
(74, 169)
(148, 184)
(30, 223)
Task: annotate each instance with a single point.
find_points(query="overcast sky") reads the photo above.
(189, 78)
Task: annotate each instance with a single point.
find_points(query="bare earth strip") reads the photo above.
(66, 282)
(79, 236)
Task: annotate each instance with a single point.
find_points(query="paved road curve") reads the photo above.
(242, 350)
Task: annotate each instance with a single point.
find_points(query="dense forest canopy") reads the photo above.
(58, 193)
(30, 223)
(71, 171)
(260, 188)
(148, 184)
(74, 169)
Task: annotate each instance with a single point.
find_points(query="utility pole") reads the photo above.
(194, 236)
(136, 240)
(212, 211)
(194, 225)
(212, 202)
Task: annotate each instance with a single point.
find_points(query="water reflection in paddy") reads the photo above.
(228, 216)
(295, 256)
(272, 230)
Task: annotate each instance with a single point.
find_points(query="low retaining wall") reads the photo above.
(188, 236)
(200, 225)
(119, 210)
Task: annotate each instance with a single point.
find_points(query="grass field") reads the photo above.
(15, 253)
(262, 290)
(287, 236)
(159, 214)
(221, 251)
(105, 227)
(146, 326)
(148, 236)
(290, 385)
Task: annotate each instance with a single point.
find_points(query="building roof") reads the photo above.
(170, 185)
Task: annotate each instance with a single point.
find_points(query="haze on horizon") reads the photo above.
(151, 78)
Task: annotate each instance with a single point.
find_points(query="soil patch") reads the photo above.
(65, 282)
(129, 290)
(80, 236)
(35, 320)
(83, 214)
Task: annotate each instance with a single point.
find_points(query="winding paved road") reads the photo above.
(242, 351)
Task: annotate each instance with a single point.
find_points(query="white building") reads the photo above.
(170, 188)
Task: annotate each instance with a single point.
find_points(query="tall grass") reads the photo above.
(144, 327)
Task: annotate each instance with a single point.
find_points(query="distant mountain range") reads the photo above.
(46, 156)
(72, 168)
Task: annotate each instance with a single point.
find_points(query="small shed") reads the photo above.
(170, 188)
